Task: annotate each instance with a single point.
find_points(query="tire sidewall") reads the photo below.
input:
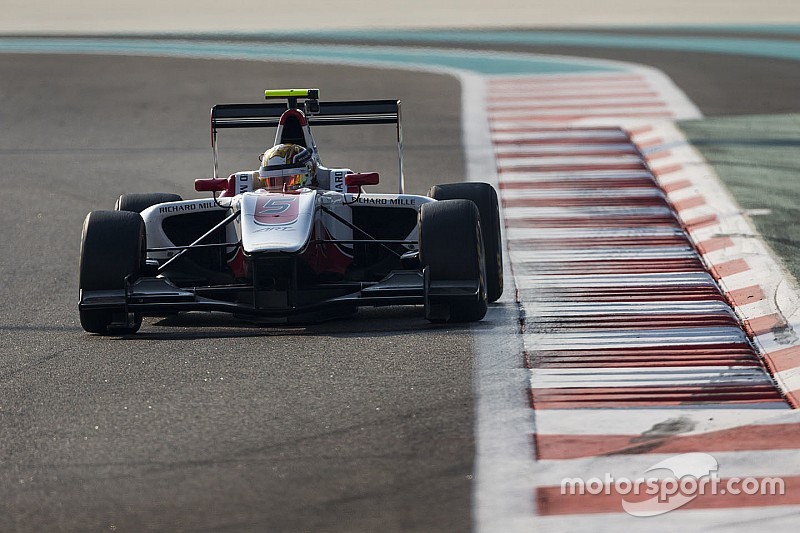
(113, 247)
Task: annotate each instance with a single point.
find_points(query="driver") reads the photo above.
(287, 167)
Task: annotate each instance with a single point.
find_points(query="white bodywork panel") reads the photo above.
(277, 222)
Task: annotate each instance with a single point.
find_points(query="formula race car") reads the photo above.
(293, 241)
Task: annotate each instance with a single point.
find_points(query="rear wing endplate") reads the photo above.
(267, 115)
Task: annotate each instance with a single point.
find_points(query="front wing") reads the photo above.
(158, 296)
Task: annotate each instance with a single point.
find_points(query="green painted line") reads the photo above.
(758, 160)
(486, 63)
(767, 29)
(718, 45)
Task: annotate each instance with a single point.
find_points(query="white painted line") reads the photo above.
(695, 213)
(504, 466)
(588, 80)
(513, 80)
(678, 376)
(555, 109)
(567, 161)
(562, 134)
(633, 338)
(683, 194)
(524, 102)
(646, 372)
(577, 121)
(616, 192)
(789, 378)
(503, 149)
(475, 134)
(600, 90)
(668, 180)
(566, 176)
(660, 308)
(771, 342)
(601, 254)
(755, 309)
(517, 234)
(619, 280)
(646, 420)
(717, 257)
(748, 278)
(588, 211)
(684, 334)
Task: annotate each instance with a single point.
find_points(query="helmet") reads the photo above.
(286, 167)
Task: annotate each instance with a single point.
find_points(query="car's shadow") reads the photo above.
(367, 322)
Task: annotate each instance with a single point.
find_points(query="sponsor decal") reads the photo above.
(385, 201)
(691, 475)
(276, 228)
(179, 208)
(243, 183)
(338, 181)
(274, 210)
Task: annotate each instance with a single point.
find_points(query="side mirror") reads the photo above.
(359, 180)
(211, 184)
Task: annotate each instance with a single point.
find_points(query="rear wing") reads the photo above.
(267, 115)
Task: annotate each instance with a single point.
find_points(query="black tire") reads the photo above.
(451, 249)
(485, 197)
(138, 202)
(113, 247)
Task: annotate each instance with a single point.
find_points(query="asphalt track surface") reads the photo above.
(203, 423)
(206, 423)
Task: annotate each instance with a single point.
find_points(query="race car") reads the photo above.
(294, 241)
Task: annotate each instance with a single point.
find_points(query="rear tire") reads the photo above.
(113, 247)
(485, 197)
(138, 202)
(451, 249)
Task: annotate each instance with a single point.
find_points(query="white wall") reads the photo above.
(44, 16)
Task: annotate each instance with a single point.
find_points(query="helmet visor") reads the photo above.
(285, 179)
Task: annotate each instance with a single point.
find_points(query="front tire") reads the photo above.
(452, 256)
(485, 198)
(113, 248)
